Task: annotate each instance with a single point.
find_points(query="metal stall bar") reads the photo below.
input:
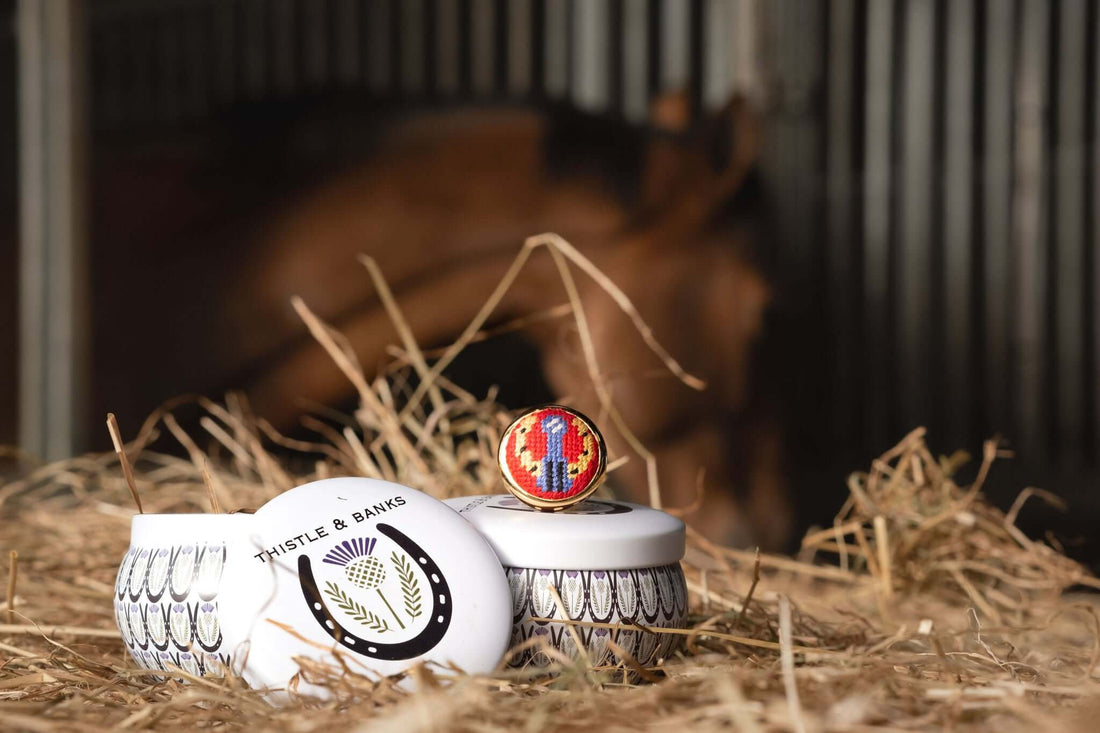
(447, 73)
(958, 210)
(557, 48)
(1092, 243)
(53, 326)
(913, 263)
(482, 47)
(841, 191)
(635, 61)
(996, 211)
(591, 68)
(346, 42)
(379, 39)
(1029, 231)
(1068, 195)
(520, 32)
(878, 198)
(413, 42)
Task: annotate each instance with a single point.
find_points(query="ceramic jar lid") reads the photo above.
(381, 572)
(593, 535)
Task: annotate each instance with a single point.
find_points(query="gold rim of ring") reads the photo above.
(537, 501)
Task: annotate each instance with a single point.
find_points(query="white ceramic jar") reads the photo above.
(168, 587)
(612, 563)
(378, 573)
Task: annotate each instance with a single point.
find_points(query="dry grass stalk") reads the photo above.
(786, 656)
(120, 451)
(773, 643)
(208, 484)
(48, 631)
(13, 577)
(934, 537)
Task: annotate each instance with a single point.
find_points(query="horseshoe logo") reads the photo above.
(380, 614)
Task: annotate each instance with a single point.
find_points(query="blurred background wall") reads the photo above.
(9, 282)
(932, 164)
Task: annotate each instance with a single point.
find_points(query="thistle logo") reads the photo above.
(369, 573)
(369, 595)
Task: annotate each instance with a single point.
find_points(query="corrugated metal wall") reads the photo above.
(935, 163)
(179, 60)
(959, 161)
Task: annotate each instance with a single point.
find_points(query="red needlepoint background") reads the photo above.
(550, 453)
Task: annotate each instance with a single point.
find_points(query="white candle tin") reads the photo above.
(167, 603)
(613, 564)
(379, 573)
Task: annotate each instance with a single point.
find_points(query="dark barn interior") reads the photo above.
(923, 208)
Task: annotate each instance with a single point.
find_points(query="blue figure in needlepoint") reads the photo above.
(553, 478)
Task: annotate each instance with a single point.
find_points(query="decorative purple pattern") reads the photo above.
(348, 550)
(655, 597)
(184, 633)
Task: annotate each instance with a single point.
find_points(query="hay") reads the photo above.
(937, 613)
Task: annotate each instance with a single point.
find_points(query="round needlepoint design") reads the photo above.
(552, 457)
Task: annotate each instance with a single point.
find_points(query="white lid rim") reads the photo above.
(158, 530)
(639, 538)
(652, 560)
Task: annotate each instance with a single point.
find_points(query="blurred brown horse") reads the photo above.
(443, 206)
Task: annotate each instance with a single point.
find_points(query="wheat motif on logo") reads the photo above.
(367, 572)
